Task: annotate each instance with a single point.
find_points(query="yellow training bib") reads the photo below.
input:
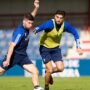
(52, 39)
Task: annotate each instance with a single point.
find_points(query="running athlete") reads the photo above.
(49, 44)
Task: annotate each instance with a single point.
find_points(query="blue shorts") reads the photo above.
(17, 59)
(49, 54)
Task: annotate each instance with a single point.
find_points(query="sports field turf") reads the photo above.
(22, 83)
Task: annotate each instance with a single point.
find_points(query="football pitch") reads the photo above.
(22, 83)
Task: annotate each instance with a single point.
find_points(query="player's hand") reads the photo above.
(6, 63)
(36, 3)
(79, 50)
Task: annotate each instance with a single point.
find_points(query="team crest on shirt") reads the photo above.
(44, 60)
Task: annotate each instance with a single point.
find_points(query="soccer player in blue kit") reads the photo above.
(50, 41)
(16, 54)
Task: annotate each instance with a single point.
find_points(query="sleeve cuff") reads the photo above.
(36, 29)
(78, 43)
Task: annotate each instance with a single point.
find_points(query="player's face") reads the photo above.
(27, 23)
(58, 18)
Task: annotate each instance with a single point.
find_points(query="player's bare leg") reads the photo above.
(59, 67)
(49, 70)
(1, 70)
(35, 79)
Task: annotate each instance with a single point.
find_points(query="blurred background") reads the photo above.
(77, 14)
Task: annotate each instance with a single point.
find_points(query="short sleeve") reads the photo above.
(17, 35)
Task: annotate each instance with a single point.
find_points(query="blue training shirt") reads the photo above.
(20, 38)
(48, 26)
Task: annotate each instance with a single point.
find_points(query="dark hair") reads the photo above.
(60, 12)
(29, 16)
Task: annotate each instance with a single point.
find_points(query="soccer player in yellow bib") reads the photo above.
(49, 44)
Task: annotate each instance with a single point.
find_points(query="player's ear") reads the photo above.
(24, 20)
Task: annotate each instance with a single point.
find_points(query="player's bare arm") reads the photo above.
(79, 49)
(36, 7)
(9, 54)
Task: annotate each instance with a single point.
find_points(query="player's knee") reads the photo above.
(60, 69)
(35, 72)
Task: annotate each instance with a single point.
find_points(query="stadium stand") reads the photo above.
(33, 47)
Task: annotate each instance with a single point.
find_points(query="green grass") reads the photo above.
(22, 83)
